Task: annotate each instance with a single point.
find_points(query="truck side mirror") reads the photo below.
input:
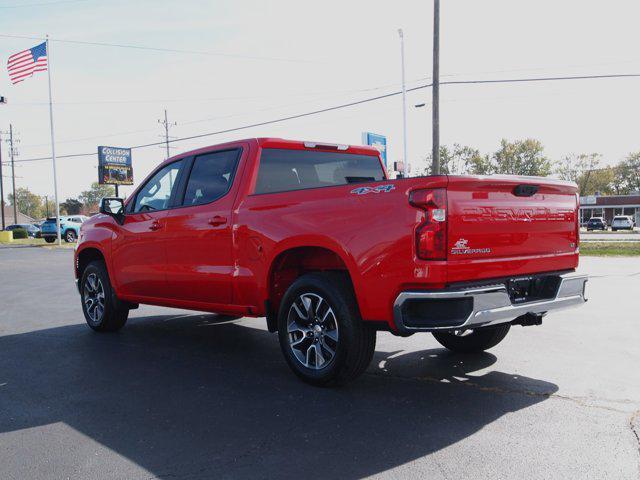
(113, 207)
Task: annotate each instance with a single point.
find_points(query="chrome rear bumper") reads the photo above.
(487, 305)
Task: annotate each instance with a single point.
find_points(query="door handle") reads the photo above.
(154, 226)
(217, 220)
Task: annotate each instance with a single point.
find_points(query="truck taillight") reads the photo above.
(577, 221)
(431, 235)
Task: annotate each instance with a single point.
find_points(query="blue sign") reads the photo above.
(378, 142)
(114, 156)
(114, 166)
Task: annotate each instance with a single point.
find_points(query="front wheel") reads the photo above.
(472, 341)
(103, 311)
(321, 334)
(70, 236)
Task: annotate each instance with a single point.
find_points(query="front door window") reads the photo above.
(156, 193)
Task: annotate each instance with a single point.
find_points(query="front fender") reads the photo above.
(97, 236)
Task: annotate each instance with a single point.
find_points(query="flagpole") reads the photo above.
(53, 144)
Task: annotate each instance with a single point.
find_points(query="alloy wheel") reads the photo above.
(312, 330)
(93, 296)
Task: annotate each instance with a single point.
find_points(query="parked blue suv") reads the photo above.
(69, 228)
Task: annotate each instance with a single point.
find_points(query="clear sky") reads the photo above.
(285, 57)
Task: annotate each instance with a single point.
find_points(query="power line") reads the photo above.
(166, 50)
(352, 104)
(309, 95)
(222, 117)
(209, 119)
(541, 79)
(42, 4)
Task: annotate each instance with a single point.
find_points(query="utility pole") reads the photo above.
(1, 185)
(435, 166)
(165, 123)
(404, 106)
(13, 154)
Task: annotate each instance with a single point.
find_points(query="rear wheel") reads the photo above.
(321, 334)
(470, 341)
(49, 239)
(103, 311)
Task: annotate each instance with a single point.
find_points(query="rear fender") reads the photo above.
(314, 241)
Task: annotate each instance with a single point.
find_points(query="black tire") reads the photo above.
(354, 345)
(113, 314)
(474, 341)
(49, 239)
(70, 236)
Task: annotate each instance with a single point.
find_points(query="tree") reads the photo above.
(521, 157)
(27, 203)
(90, 198)
(580, 169)
(601, 181)
(457, 161)
(71, 206)
(480, 165)
(627, 174)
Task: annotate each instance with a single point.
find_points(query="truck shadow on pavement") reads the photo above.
(198, 397)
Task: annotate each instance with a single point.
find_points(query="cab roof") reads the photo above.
(272, 142)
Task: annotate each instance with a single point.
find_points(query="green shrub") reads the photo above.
(20, 233)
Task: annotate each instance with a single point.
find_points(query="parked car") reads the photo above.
(622, 222)
(596, 223)
(318, 240)
(32, 230)
(69, 228)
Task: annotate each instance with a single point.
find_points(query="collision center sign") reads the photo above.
(114, 166)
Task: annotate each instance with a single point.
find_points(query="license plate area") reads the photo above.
(533, 288)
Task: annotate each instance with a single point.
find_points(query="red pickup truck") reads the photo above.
(318, 240)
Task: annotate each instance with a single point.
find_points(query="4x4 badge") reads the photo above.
(377, 189)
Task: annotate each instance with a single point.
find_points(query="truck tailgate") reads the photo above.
(506, 225)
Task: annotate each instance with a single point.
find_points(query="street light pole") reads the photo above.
(435, 166)
(404, 106)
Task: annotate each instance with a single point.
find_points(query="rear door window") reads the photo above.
(211, 177)
(283, 170)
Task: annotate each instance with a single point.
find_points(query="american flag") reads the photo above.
(23, 64)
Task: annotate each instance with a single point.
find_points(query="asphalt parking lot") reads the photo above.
(179, 394)
(610, 236)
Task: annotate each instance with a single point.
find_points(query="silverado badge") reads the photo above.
(461, 247)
